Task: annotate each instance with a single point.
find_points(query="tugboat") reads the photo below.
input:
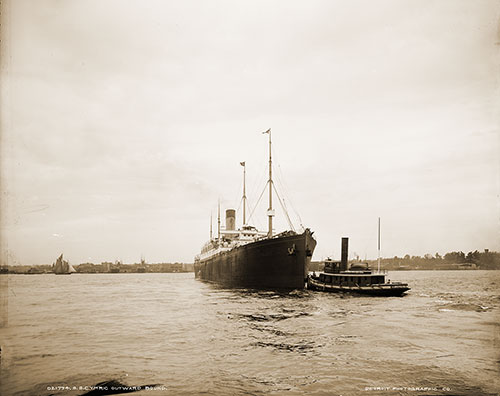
(337, 278)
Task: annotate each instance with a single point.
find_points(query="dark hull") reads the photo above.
(276, 263)
(385, 290)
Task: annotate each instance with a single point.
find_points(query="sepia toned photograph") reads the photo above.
(235, 197)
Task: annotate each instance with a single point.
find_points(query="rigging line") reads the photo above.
(258, 200)
(282, 185)
(258, 180)
(281, 179)
(261, 194)
(248, 208)
(283, 189)
(284, 209)
(250, 193)
(239, 206)
(240, 188)
(255, 221)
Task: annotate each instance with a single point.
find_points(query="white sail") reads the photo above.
(61, 266)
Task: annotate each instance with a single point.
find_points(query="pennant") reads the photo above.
(269, 130)
(242, 163)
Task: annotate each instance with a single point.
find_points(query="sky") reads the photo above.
(124, 122)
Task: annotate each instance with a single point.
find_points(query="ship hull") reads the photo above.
(275, 263)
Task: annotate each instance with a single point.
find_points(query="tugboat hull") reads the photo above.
(385, 289)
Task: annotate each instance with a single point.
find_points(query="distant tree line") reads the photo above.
(473, 260)
(454, 260)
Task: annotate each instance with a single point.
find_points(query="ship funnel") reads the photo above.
(230, 219)
(345, 250)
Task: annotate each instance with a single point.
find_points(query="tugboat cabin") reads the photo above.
(334, 273)
(344, 279)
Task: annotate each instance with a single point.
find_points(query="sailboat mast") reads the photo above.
(378, 245)
(270, 210)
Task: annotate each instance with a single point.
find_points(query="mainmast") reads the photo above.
(244, 194)
(270, 212)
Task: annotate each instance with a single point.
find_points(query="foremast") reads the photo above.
(270, 212)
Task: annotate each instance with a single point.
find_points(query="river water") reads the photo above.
(65, 334)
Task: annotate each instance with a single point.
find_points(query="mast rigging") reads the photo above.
(270, 213)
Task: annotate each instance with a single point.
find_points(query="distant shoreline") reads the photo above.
(93, 273)
(486, 260)
(191, 272)
(103, 268)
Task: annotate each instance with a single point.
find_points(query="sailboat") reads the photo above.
(62, 267)
(247, 257)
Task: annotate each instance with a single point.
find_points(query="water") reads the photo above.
(194, 338)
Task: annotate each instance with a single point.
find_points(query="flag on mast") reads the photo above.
(242, 163)
(269, 130)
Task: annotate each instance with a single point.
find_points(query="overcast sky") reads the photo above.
(123, 122)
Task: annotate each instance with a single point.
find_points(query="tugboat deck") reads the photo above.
(378, 289)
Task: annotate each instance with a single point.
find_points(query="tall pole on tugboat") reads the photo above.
(378, 245)
(244, 193)
(270, 182)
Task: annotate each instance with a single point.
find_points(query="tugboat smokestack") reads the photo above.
(345, 251)
(230, 219)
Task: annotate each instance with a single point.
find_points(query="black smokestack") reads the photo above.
(345, 251)
(230, 219)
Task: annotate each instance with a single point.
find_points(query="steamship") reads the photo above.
(249, 258)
